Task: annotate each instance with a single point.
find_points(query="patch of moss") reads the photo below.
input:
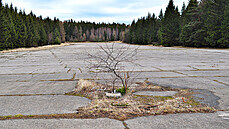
(120, 104)
(18, 115)
(122, 90)
(192, 102)
(163, 97)
(75, 94)
(7, 117)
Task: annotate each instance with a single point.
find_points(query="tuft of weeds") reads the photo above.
(120, 104)
(19, 115)
(7, 117)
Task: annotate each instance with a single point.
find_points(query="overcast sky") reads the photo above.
(121, 11)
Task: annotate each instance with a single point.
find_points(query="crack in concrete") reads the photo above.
(60, 61)
(179, 73)
(192, 67)
(125, 125)
(157, 68)
(221, 82)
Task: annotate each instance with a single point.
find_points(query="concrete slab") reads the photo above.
(179, 121)
(159, 74)
(37, 87)
(188, 82)
(57, 76)
(14, 78)
(37, 105)
(215, 66)
(156, 93)
(224, 98)
(102, 123)
(22, 72)
(206, 73)
(216, 88)
(175, 67)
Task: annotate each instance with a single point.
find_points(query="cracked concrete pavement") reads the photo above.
(46, 75)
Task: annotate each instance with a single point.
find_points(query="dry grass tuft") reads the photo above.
(34, 48)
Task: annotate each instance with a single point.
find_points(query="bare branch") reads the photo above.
(111, 59)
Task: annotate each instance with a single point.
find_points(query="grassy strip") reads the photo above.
(97, 114)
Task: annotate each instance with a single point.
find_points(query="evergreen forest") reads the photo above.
(17, 29)
(202, 23)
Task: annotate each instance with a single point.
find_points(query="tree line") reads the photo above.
(202, 23)
(199, 24)
(18, 29)
(95, 32)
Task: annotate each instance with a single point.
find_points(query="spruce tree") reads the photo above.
(133, 37)
(43, 36)
(161, 16)
(56, 36)
(170, 27)
(21, 30)
(190, 23)
(224, 41)
(3, 28)
(30, 34)
(214, 12)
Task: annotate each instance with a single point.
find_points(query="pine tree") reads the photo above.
(43, 36)
(35, 30)
(56, 36)
(21, 30)
(183, 15)
(215, 10)
(224, 41)
(133, 37)
(170, 27)
(3, 28)
(161, 16)
(30, 34)
(192, 33)
(10, 43)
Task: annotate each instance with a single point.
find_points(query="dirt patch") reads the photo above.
(131, 105)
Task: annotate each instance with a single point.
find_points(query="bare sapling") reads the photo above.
(114, 58)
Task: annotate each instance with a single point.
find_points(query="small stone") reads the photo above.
(114, 95)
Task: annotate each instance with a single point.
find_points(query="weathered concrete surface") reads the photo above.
(56, 70)
(41, 75)
(38, 105)
(37, 87)
(102, 123)
(156, 93)
(179, 121)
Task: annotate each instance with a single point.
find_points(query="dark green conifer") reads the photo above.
(170, 27)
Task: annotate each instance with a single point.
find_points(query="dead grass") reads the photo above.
(131, 105)
(34, 48)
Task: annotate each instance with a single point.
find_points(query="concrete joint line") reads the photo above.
(221, 82)
(125, 125)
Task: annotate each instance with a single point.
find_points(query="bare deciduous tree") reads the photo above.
(113, 58)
